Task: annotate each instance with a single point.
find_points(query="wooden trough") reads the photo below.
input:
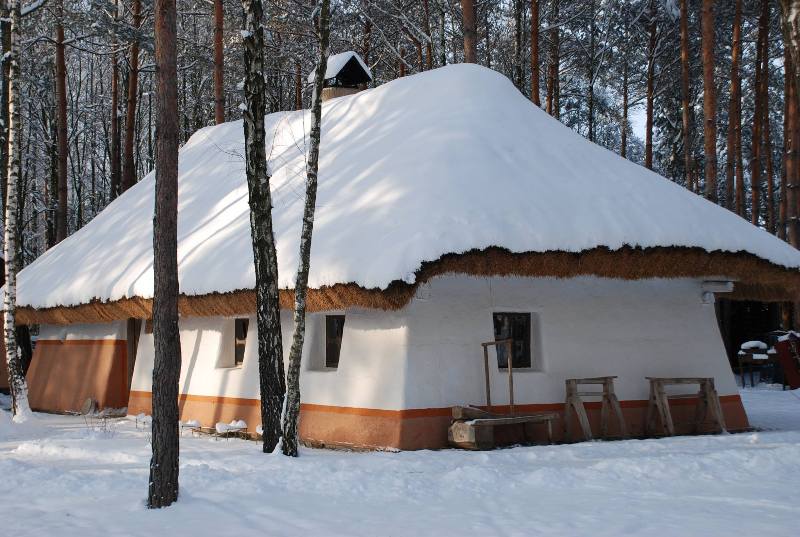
(474, 428)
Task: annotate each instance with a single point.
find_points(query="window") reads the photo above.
(517, 327)
(334, 329)
(240, 327)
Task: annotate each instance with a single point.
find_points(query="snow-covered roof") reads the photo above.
(337, 62)
(446, 161)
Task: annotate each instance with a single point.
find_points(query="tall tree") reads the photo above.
(292, 415)
(61, 121)
(268, 316)
(709, 101)
(116, 180)
(792, 155)
(128, 164)
(517, 68)
(470, 31)
(535, 53)
(756, 158)
(651, 73)
(552, 105)
(16, 376)
(163, 489)
(790, 27)
(732, 190)
(219, 67)
(685, 98)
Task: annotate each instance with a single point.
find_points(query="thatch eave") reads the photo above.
(756, 279)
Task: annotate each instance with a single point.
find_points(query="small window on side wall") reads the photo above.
(517, 327)
(240, 327)
(334, 330)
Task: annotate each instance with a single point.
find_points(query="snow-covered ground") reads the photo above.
(59, 476)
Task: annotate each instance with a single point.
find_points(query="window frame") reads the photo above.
(328, 361)
(528, 343)
(240, 343)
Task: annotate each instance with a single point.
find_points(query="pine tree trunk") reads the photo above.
(792, 140)
(366, 41)
(426, 24)
(61, 120)
(535, 53)
(591, 69)
(470, 31)
(790, 27)
(770, 197)
(755, 159)
(16, 376)
(163, 489)
(688, 161)
(709, 101)
(517, 69)
(553, 66)
(623, 147)
(298, 86)
(268, 315)
(128, 165)
(651, 69)
(291, 418)
(219, 65)
(115, 128)
(734, 106)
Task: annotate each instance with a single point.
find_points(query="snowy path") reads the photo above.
(57, 477)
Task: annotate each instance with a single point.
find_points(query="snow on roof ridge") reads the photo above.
(337, 62)
(446, 161)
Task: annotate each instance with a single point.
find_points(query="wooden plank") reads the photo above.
(469, 413)
(512, 420)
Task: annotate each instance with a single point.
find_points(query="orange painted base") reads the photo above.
(426, 428)
(63, 374)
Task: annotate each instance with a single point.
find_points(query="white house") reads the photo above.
(451, 211)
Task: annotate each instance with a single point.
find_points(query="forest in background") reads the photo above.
(87, 79)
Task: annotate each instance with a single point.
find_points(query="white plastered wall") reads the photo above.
(113, 330)
(428, 354)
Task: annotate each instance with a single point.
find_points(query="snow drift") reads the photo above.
(441, 162)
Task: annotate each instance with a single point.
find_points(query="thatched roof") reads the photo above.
(447, 171)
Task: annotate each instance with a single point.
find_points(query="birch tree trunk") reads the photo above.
(163, 489)
(272, 381)
(470, 31)
(709, 101)
(128, 165)
(61, 121)
(219, 65)
(16, 376)
(687, 135)
(517, 68)
(292, 414)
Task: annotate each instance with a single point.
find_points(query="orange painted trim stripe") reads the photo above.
(113, 342)
(419, 412)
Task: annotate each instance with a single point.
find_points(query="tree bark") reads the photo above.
(426, 24)
(163, 489)
(116, 182)
(470, 31)
(623, 146)
(517, 68)
(268, 317)
(219, 65)
(688, 161)
(792, 166)
(732, 194)
(290, 420)
(5, 29)
(128, 165)
(770, 197)
(553, 67)
(709, 101)
(298, 86)
(535, 53)
(651, 67)
(16, 377)
(755, 159)
(61, 121)
(790, 27)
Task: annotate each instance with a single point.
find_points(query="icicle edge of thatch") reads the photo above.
(756, 279)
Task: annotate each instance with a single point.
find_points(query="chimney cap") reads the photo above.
(345, 69)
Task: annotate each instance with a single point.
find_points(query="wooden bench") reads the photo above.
(473, 428)
(575, 409)
(658, 404)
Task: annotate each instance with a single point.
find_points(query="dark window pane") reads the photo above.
(240, 327)
(334, 329)
(517, 327)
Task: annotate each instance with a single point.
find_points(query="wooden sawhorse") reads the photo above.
(574, 406)
(658, 405)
